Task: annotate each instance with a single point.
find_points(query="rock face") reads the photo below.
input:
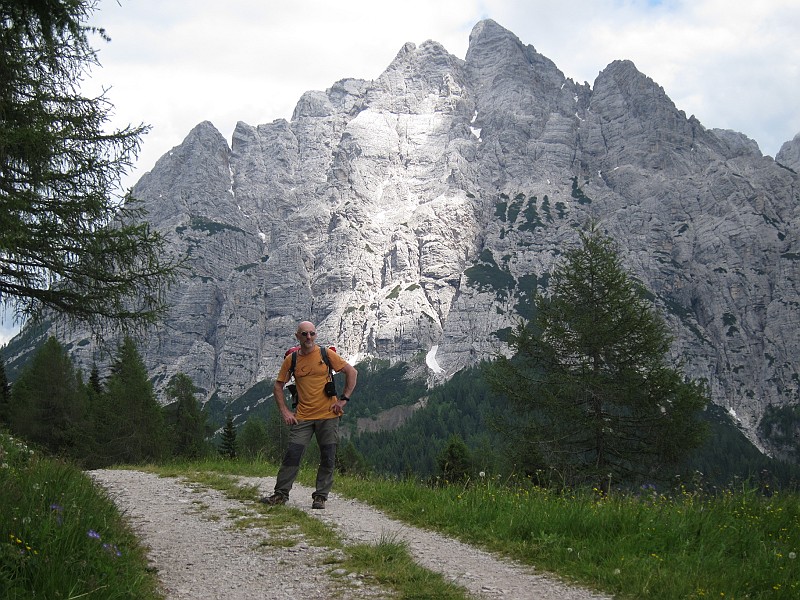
(426, 208)
(789, 154)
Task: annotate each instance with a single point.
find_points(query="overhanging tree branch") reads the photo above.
(70, 242)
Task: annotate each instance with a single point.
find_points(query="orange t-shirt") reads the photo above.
(310, 376)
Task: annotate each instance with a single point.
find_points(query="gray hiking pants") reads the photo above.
(327, 432)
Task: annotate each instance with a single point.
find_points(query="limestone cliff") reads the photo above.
(425, 208)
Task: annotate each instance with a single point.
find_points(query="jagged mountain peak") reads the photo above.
(737, 144)
(789, 154)
(489, 31)
(495, 52)
(637, 90)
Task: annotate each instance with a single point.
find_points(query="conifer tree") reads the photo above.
(252, 440)
(48, 402)
(94, 392)
(187, 422)
(94, 380)
(228, 444)
(68, 241)
(130, 422)
(455, 461)
(590, 389)
(349, 461)
(5, 395)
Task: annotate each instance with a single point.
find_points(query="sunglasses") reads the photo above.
(308, 333)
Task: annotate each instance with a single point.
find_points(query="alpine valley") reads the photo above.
(413, 218)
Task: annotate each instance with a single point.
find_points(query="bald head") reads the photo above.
(305, 326)
(306, 335)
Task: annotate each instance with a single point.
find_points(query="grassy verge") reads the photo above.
(689, 545)
(61, 537)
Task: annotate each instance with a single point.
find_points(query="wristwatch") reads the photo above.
(345, 398)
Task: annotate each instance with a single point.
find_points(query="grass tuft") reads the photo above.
(389, 563)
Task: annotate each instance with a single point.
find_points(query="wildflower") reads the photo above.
(23, 547)
(93, 534)
(482, 474)
(792, 555)
(617, 571)
(59, 511)
(112, 549)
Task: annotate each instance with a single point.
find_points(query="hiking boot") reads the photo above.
(274, 500)
(318, 503)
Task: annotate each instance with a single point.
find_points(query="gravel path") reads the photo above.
(200, 553)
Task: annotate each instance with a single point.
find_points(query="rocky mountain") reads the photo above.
(413, 217)
(789, 154)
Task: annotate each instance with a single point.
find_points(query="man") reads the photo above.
(317, 414)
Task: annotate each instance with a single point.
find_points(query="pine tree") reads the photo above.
(5, 396)
(252, 440)
(94, 380)
(130, 422)
(349, 461)
(455, 462)
(590, 390)
(48, 402)
(228, 445)
(187, 422)
(94, 392)
(68, 242)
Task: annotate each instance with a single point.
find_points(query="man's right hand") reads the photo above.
(289, 417)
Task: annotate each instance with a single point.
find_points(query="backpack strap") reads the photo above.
(292, 387)
(324, 351)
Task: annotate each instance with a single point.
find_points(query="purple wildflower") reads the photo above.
(59, 510)
(93, 534)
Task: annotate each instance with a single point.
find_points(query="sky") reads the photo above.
(171, 64)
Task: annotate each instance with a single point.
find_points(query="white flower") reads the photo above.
(482, 474)
(792, 555)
